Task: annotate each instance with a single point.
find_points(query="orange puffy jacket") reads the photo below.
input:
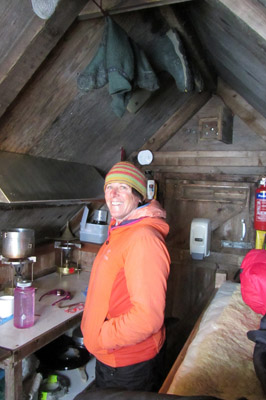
(123, 318)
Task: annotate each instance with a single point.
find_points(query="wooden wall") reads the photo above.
(198, 174)
(201, 177)
(48, 258)
(51, 118)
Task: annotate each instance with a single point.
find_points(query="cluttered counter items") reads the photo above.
(48, 316)
(219, 360)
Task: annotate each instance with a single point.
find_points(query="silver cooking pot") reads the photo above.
(18, 243)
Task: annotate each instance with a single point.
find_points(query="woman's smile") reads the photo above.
(120, 200)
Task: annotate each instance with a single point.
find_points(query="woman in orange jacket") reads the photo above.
(123, 319)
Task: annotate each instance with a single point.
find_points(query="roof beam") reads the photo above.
(210, 158)
(33, 52)
(251, 12)
(192, 104)
(118, 6)
(240, 107)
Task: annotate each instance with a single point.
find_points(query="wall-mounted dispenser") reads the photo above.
(200, 238)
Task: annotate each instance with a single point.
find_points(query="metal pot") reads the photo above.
(18, 243)
(63, 354)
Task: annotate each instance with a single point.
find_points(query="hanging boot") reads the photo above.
(166, 53)
(121, 63)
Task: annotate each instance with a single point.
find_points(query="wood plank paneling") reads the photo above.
(34, 52)
(240, 107)
(188, 138)
(50, 91)
(51, 118)
(193, 102)
(236, 50)
(211, 158)
(250, 12)
(224, 203)
(18, 24)
(118, 6)
(215, 164)
(212, 171)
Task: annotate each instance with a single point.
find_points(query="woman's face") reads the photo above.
(120, 200)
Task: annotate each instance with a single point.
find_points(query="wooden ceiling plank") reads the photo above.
(121, 6)
(211, 158)
(192, 104)
(16, 31)
(210, 172)
(251, 12)
(242, 109)
(37, 50)
(172, 155)
(50, 90)
(237, 52)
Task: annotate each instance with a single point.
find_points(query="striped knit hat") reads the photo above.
(127, 173)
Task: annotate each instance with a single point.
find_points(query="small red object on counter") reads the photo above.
(72, 308)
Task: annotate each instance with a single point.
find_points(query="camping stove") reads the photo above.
(66, 265)
(18, 246)
(19, 266)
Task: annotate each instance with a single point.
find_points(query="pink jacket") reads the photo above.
(123, 319)
(253, 280)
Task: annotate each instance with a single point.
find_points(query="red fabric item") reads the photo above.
(253, 280)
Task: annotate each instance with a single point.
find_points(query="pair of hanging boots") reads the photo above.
(123, 64)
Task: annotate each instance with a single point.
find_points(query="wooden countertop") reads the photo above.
(47, 317)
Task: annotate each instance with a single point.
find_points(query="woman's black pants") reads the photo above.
(146, 376)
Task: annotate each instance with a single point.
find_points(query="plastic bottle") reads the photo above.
(24, 305)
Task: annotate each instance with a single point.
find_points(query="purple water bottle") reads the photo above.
(24, 305)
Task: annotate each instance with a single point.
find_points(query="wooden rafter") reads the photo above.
(210, 158)
(214, 165)
(33, 52)
(251, 12)
(192, 104)
(242, 109)
(118, 6)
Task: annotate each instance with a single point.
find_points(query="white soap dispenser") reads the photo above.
(200, 238)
